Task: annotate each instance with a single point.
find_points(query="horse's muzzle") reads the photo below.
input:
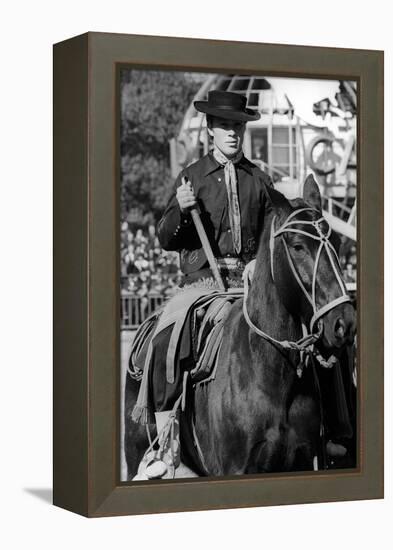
(339, 326)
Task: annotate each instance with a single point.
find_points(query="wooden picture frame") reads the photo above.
(86, 275)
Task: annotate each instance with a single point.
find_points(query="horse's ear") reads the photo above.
(277, 199)
(311, 193)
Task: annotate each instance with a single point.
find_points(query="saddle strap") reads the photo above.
(207, 359)
(141, 337)
(175, 337)
(211, 315)
(141, 412)
(205, 369)
(171, 353)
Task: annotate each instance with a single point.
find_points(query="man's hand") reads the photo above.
(185, 195)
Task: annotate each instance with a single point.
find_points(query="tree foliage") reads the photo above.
(153, 104)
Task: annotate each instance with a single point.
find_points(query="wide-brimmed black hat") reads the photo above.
(226, 105)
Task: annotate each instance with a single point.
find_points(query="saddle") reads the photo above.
(197, 317)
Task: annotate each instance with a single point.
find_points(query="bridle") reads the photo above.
(324, 244)
(289, 226)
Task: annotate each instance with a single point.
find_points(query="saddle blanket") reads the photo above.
(197, 318)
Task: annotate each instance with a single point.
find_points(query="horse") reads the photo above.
(262, 412)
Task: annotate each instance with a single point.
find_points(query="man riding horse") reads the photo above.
(232, 197)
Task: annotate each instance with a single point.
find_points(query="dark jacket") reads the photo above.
(177, 232)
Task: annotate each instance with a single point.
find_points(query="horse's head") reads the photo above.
(305, 266)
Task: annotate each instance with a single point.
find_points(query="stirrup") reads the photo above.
(161, 463)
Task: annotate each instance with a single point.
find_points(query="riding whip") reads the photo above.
(195, 213)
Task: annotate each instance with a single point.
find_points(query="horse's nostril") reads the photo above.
(339, 328)
(340, 332)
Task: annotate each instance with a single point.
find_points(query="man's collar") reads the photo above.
(212, 164)
(245, 164)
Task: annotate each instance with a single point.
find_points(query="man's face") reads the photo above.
(227, 135)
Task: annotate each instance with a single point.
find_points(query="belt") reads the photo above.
(231, 264)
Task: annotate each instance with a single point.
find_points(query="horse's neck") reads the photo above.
(264, 303)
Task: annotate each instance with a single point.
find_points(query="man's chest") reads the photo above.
(212, 194)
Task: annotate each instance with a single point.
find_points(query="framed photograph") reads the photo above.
(218, 274)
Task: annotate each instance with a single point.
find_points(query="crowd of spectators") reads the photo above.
(146, 269)
(348, 263)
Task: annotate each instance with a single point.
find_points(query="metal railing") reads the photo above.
(336, 208)
(135, 309)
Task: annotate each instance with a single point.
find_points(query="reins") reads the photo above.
(306, 343)
(324, 243)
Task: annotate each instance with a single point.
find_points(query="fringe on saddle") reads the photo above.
(206, 308)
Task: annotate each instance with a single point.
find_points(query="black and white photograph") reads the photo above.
(238, 270)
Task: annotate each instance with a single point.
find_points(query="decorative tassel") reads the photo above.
(142, 415)
(141, 412)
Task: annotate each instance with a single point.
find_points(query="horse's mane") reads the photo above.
(298, 202)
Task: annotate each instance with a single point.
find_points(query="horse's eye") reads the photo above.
(298, 247)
